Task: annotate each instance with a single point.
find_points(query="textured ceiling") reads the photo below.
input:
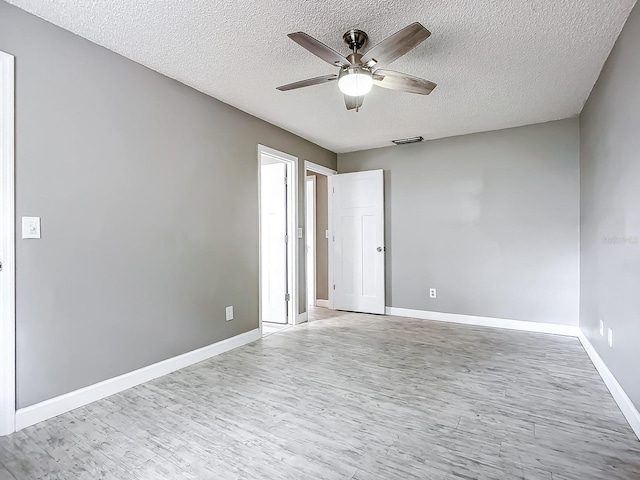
(497, 63)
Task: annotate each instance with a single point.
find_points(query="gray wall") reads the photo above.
(491, 220)
(610, 210)
(322, 243)
(148, 195)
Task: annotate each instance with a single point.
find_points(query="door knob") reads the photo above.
(379, 249)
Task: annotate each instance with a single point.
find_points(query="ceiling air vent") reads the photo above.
(405, 141)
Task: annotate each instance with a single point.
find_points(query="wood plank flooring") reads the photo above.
(358, 397)
(269, 328)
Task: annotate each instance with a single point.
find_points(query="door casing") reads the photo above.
(310, 237)
(327, 172)
(293, 253)
(7, 246)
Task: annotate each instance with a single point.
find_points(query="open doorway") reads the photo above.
(317, 239)
(278, 265)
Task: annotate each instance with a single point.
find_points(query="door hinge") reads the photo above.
(334, 286)
(333, 189)
(287, 297)
(286, 238)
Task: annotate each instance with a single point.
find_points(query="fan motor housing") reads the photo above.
(356, 39)
(355, 59)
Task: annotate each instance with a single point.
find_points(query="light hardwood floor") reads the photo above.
(270, 328)
(359, 397)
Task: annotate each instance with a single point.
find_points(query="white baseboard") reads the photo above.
(322, 303)
(624, 402)
(556, 329)
(78, 398)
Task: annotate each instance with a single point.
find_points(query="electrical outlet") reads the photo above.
(432, 293)
(610, 337)
(601, 328)
(229, 313)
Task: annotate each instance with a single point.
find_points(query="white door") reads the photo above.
(273, 202)
(357, 223)
(311, 240)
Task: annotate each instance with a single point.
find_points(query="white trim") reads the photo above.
(7, 246)
(553, 328)
(314, 167)
(331, 241)
(617, 392)
(294, 245)
(56, 406)
(311, 179)
(322, 303)
(302, 317)
(276, 154)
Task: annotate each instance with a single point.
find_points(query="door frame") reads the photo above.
(327, 172)
(311, 179)
(293, 253)
(7, 246)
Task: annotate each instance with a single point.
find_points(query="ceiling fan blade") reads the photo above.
(353, 102)
(319, 49)
(403, 82)
(307, 83)
(395, 46)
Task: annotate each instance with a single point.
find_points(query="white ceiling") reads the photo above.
(497, 63)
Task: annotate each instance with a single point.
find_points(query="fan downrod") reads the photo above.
(356, 39)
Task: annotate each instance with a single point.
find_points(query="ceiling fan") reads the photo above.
(358, 72)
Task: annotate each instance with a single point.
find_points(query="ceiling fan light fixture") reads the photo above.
(355, 81)
(356, 76)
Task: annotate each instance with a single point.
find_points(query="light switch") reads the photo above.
(326, 234)
(30, 227)
(229, 313)
(299, 233)
(601, 328)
